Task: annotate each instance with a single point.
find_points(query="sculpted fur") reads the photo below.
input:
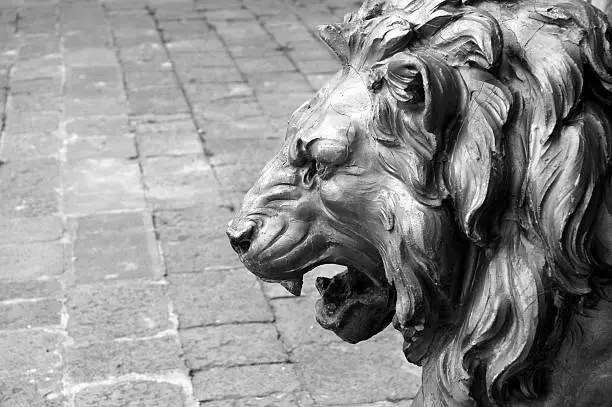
(459, 166)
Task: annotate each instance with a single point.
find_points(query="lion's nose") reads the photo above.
(240, 233)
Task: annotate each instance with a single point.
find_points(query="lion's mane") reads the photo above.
(513, 139)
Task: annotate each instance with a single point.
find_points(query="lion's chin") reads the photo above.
(353, 306)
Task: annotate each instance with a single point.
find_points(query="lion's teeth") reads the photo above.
(293, 286)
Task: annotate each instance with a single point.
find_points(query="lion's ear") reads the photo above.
(424, 82)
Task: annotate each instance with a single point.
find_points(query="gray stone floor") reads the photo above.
(130, 131)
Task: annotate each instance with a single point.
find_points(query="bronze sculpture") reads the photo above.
(459, 166)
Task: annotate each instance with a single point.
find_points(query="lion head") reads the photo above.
(463, 177)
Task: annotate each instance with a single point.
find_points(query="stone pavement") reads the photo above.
(130, 131)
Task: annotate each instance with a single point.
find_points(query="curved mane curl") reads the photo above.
(505, 124)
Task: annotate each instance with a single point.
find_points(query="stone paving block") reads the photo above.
(296, 399)
(31, 146)
(31, 351)
(256, 151)
(185, 60)
(252, 128)
(102, 361)
(266, 64)
(231, 345)
(265, 49)
(31, 260)
(166, 100)
(91, 57)
(93, 81)
(148, 53)
(244, 381)
(370, 371)
(179, 181)
(204, 222)
(96, 106)
(49, 287)
(228, 14)
(147, 78)
(32, 123)
(295, 319)
(37, 86)
(94, 185)
(112, 224)
(279, 82)
(112, 310)
(137, 393)
(318, 80)
(172, 137)
(217, 297)
(21, 230)
(198, 254)
(215, 74)
(116, 256)
(30, 102)
(32, 390)
(211, 92)
(223, 110)
(239, 177)
(99, 137)
(27, 314)
(209, 43)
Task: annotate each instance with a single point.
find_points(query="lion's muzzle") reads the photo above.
(240, 233)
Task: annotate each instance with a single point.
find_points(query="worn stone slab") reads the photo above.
(33, 390)
(34, 102)
(31, 146)
(102, 361)
(227, 110)
(216, 74)
(240, 176)
(33, 352)
(217, 297)
(94, 185)
(252, 128)
(210, 92)
(279, 105)
(244, 381)
(370, 371)
(167, 137)
(159, 100)
(105, 105)
(116, 256)
(267, 64)
(198, 254)
(49, 287)
(120, 146)
(139, 393)
(91, 57)
(295, 399)
(31, 260)
(231, 345)
(297, 325)
(32, 123)
(199, 222)
(179, 181)
(256, 151)
(279, 82)
(112, 310)
(28, 188)
(22, 230)
(28, 314)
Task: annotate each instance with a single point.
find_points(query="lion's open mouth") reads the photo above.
(353, 306)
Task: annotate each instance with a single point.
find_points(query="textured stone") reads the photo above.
(199, 222)
(111, 359)
(230, 345)
(210, 92)
(94, 185)
(226, 110)
(107, 311)
(216, 297)
(364, 373)
(167, 137)
(239, 177)
(257, 151)
(31, 351)
(32, 123)
(251, 128)
(99, 137)
(265, 64)
(21, 230)
(31, 146)
(198, 254)
(105, 105)
(139, 393)
(179, 181)
(279, 82)
(296, 399)
(28, 188)
(241, 381)
(297, 325)
(31, 260)
(10, 290)
(166, 100)
(27, 314)
(34, 389)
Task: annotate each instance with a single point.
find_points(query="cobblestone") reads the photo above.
(130, 131)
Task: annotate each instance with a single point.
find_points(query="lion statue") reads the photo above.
(459, 166)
